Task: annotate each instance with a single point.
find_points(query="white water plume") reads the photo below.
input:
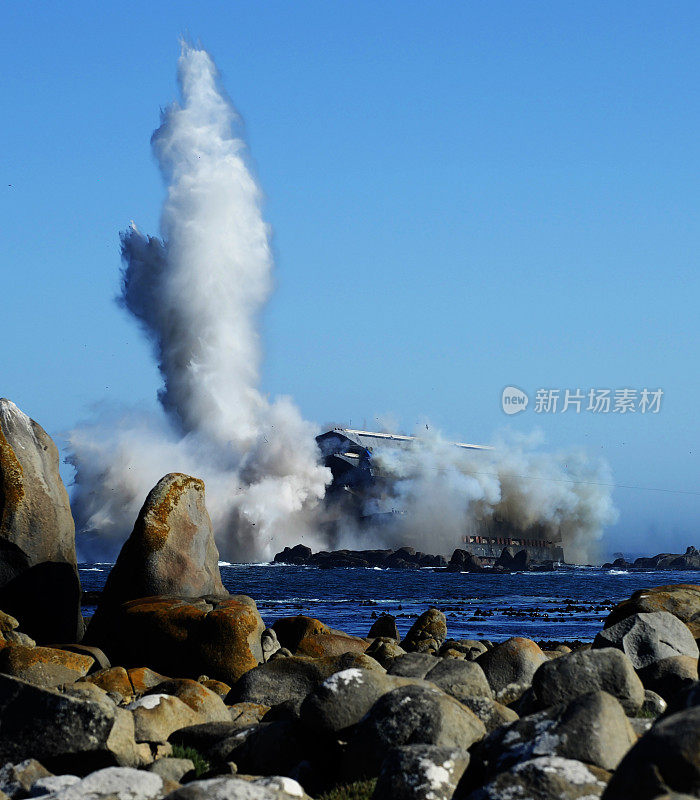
(197, 292)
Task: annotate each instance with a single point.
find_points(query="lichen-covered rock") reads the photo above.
(514, 661)
(585, 671)
(420, 772)
(63, 732)
(186, 636)
(682, 600)
(665, 759)
(544, 778)
(592, 728)
(410, 715)
(171, 550)
(306, 636)
(143, 678)
(156, 716)
(234, 788)
(115, 681)
(207, 704)
(39, 582)
(289, 680)
(345, 697)
(44, 666)
(492, 713)
(427, 633)
(117, 783)
(648, 637)
(385, 650)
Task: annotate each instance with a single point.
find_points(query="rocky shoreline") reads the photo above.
(511, 559)
(176, 689)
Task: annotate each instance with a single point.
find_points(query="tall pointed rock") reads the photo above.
(171, 550)
(39, 581)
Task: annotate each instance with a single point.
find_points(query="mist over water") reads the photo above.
(197, 291)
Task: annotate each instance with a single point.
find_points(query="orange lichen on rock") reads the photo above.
(154, 523)
(306, 636)
(11, 483)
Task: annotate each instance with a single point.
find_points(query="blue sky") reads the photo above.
(463, 196)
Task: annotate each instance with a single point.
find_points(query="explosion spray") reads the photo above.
(197, 292)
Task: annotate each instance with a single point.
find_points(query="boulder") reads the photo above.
(413, 665)
(385, 627)
(585, 671)
(514, 661)
(205, 703)
(654, 705)
(44, 666)
(244, 714)
(289, 680)
(666, 759)
(682, 600)
(269, 643)
(218, 687)
(117, 783)
(306, 636)
(492, 713)
(157, 716)
(670, 676)
(420, 772)
(385, 650)
(343, 699)
(470, 648)
(142, 679)
(206, 736)
(53, 784)
(174, 770)
(39, 582)
(544, 778)
(427, 633)
(410, 715)
(115, 681)
(460, 679)
(234, 788)
(464, 561)
(171, 550)
(591, 728)
(64, 733)
(16, 780)
(219, 637)
(649, 637)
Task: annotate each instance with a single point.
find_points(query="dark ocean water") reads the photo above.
(562, 605)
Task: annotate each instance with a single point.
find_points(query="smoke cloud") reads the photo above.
(197, 292)
(441, 493)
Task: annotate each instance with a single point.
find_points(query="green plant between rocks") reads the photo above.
(359, 790)
(201, 765)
